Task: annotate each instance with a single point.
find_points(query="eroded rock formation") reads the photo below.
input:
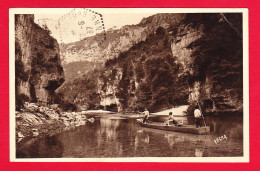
(38, 70)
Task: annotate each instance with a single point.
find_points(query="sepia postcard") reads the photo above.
(129, 85)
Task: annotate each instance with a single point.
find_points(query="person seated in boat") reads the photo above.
(180, 123)
(197, 116)
(146, 115)
(171, 119)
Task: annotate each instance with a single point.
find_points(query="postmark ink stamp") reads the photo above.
(80, 23)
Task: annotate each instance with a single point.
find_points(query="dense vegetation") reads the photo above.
(77, 69)
(149, 76)
(80, 93)
(150, 65)
(218, 55)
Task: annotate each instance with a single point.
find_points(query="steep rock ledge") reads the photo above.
(38, 68)
(209, 47)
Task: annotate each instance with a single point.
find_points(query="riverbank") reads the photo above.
(123, 138)
(35, 120)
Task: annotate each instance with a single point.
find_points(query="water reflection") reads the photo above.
(108, 128)
(42, 148)
(126, 138)
(107, 135)
(232, 127)
(172, 139)
(141, 138)
(199, 152)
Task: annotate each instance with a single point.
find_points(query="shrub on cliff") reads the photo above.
(67, 106)
(20, 100)
(160, 31)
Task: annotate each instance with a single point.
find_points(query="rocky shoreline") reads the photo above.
(35, 120)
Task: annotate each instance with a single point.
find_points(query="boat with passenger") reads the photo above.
(176, 128)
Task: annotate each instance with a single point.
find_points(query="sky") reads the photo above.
(70, 25)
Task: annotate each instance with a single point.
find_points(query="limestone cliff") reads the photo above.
(209, 47)
(38, 70)
(205, 66)
(95, 50)
(174, 59)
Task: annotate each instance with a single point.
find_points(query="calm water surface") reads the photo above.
(126, 138)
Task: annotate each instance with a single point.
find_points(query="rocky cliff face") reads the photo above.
(210, 50)
(206, 52)
(170, 59)
(91, 50)
(38, 70)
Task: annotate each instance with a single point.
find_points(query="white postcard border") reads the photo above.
(245, 158)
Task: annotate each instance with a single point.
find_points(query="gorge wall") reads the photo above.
(170, 59)
(38, 70)
(214, 47)
(80, 57)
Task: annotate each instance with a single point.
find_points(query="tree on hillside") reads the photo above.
(45, 27)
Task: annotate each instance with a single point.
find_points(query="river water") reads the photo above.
(108, 137)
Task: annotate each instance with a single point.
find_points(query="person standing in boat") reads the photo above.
(197, 116)
(146, 115)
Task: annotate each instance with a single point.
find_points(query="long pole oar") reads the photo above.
(202, 114)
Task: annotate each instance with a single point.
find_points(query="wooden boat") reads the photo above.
(184, 128)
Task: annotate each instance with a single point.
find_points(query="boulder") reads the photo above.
(20, 135)
(35, 132)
